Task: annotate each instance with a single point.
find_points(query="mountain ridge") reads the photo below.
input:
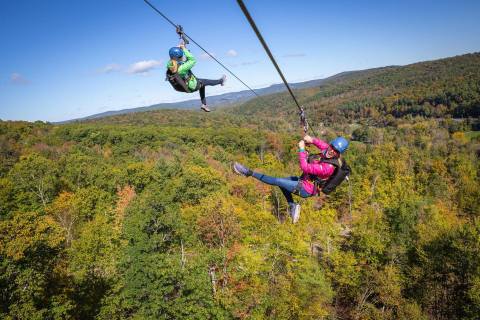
(355, 79)
(225, 99)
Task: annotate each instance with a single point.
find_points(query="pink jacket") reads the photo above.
(321, 170)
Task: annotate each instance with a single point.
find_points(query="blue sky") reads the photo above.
(66, 59)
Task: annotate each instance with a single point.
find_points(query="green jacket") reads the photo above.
(185, 67)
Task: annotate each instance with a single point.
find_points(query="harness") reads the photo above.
(342, 171)
(178, 83)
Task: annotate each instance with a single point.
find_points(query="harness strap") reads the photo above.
(320, 183)
(179, 80)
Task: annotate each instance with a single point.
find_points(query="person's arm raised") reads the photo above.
(320, 144)
(185, 67)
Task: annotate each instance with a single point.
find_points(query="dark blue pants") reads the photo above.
(206, 82)
(288, 185)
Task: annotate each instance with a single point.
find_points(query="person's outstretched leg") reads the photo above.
(287, 186)
(208, 82)
(204, 106)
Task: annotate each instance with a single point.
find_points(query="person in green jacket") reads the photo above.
(180, 76)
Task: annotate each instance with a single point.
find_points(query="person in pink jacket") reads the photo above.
(303, 185)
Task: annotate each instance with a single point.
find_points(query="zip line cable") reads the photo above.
(270, 55)
(208, 53)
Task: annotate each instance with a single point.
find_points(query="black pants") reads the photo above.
(202, 83)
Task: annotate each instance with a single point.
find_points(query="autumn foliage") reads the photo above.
(140, 217)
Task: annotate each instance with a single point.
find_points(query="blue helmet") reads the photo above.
(175, 52)
(340, 144)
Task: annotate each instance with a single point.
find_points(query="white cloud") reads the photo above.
(17, 78)
(144, 66)
(113, 67)
(232, 53)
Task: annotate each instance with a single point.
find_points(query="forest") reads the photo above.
(140, 216)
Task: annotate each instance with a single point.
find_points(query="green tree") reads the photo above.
(35, 179)
(30, 244)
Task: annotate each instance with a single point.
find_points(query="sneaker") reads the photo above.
(294, 209)
(224, 79)
(346, 232)
(241, 169)
(205, 108)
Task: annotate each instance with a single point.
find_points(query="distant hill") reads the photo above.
(447, 87)
(226, 99)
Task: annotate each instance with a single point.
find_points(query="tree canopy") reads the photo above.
(140, 217)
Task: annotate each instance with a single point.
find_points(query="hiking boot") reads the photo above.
(224, 79)
(294, 209)
(241, 169)
(205, 108)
